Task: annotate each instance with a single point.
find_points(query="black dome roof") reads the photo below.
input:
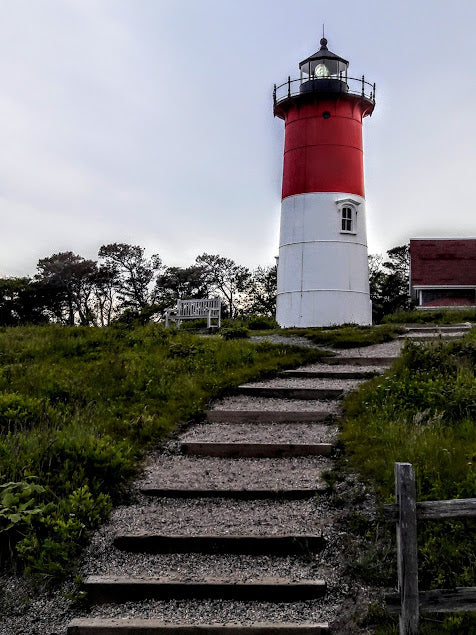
(323, 53)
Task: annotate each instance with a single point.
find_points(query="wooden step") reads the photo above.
(102, 589)
(255, 450)
(258, 544)
(290, 393)
(430, 337)
(358, 361)
(455, 328)
(151, 626)
(270, 416)
(330, 374)
(235, 494)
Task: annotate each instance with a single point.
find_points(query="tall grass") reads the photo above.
(78, 406)
(436, 316)
(423, 411)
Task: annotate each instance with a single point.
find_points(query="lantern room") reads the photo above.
(324, 71)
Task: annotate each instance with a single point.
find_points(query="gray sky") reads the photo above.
(150, 121)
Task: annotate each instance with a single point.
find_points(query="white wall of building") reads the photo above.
(322, 271)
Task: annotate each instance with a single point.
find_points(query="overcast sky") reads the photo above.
(150, 122)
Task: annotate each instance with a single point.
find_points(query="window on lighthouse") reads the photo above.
(347, 219)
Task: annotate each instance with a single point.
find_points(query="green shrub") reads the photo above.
(21, 505)
(62, 532)
(17, 411)
(262, 323)
(234, 333)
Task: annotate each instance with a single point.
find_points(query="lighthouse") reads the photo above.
(323, 275)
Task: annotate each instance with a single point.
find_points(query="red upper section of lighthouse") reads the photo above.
(323, 146)
(323, 134)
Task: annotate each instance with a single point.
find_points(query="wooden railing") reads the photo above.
(409, 601)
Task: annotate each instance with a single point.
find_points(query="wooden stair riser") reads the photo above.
(234, 494)
(123, 589)
(314, 394)
(118, 626)
(358, 361)
(286, 544)
(330, 374)
(255, 450)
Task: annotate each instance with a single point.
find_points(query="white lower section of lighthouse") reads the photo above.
(323, 276)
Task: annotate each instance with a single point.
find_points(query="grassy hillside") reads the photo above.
(423, 412)
(77, 408)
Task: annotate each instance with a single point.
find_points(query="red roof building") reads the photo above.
(443, 272)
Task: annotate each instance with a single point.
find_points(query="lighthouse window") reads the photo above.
(347, 219)
(326, 114)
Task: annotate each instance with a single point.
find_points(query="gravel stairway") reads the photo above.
(226, 533)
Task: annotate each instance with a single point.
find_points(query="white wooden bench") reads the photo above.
(195, 310)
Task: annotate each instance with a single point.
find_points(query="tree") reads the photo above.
(66, 281)
(180, 283)
(105, 283)
(21, 302)
(261, 292)
(133, 273)
(225, 278)
(389, 282)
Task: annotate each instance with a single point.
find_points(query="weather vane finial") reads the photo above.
(323, 39)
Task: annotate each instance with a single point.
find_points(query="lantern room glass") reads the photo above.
(324, 69)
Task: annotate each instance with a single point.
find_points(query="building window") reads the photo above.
(347, 220)
(347, 210)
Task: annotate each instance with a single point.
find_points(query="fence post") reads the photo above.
(407, 548)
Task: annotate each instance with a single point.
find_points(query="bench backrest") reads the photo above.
(189, 308)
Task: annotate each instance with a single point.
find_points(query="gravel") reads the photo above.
(215, 473)
(226, 612)
(245, 402)
(295, 340)
(342, 368)
(387, 349)
(275, 432)
(220, 516)
(307, 382)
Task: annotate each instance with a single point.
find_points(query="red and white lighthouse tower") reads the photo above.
(322, 268)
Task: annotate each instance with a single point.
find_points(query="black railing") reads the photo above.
(348, 85)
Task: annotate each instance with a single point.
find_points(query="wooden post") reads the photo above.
(407, 548)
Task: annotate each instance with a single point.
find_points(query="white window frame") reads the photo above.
(342, 208)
